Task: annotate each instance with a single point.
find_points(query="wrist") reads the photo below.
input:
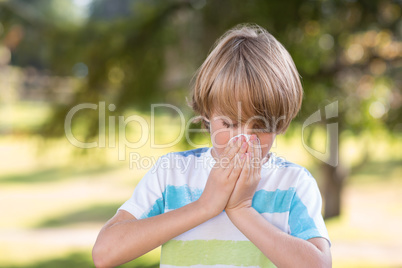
(204, 209)
(239, 211)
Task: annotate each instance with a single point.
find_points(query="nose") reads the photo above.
(241, 134)
(247, 136)
(248, 131)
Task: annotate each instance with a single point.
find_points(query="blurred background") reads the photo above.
(122, 56)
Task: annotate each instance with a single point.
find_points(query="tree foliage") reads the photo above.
(142, 52)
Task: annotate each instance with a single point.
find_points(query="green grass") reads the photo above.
(93, 214)
(53, 174)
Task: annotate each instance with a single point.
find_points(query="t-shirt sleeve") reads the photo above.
(147, 199)
(305, 219)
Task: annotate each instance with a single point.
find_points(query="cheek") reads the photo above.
(220, 139)
(266, 141)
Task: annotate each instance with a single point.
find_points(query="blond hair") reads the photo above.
(248, 65)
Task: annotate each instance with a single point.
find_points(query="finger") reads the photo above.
(230, 145)
(244, 145)
(256, 157)
(253, 156)
(243, 148)
(237, 160)
(259, 149)
(245, 173)
(227, 154)
(253, 160)
(232, 148)
(257, 163)
(238, 165)
(248, 164)
(229, 160)
(222, 157)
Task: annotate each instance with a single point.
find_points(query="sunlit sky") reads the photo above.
(83, 7)
(82, 3)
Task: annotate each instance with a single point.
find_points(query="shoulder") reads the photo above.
(286, 166)
(188, 155)
(184, 159)
(198, 152)
(285, 174)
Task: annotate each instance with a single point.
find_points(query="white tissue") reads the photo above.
(245, 135)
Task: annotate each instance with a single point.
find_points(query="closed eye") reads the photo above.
(256, 128)
(227, 125)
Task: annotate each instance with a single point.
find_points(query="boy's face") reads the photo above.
(222, 129)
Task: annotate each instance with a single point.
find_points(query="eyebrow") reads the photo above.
(255, 125)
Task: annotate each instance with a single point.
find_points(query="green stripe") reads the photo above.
(211, 252)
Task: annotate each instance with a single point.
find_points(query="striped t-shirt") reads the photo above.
(287, 197)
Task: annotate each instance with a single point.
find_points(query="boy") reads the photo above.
(247, 207)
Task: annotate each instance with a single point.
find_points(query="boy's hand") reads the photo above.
(250, 176)
(223, 177)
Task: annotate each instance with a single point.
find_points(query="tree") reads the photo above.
(345, 51)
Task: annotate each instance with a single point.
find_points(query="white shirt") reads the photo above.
(287, 196)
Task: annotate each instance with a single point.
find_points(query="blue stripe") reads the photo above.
(278, 201)
(300, 223)
(157, 208)
(196, 152)
(173, 197)
(179, 196)
(273, 201)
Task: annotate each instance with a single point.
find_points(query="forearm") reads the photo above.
(275, 244)
(129, 239)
